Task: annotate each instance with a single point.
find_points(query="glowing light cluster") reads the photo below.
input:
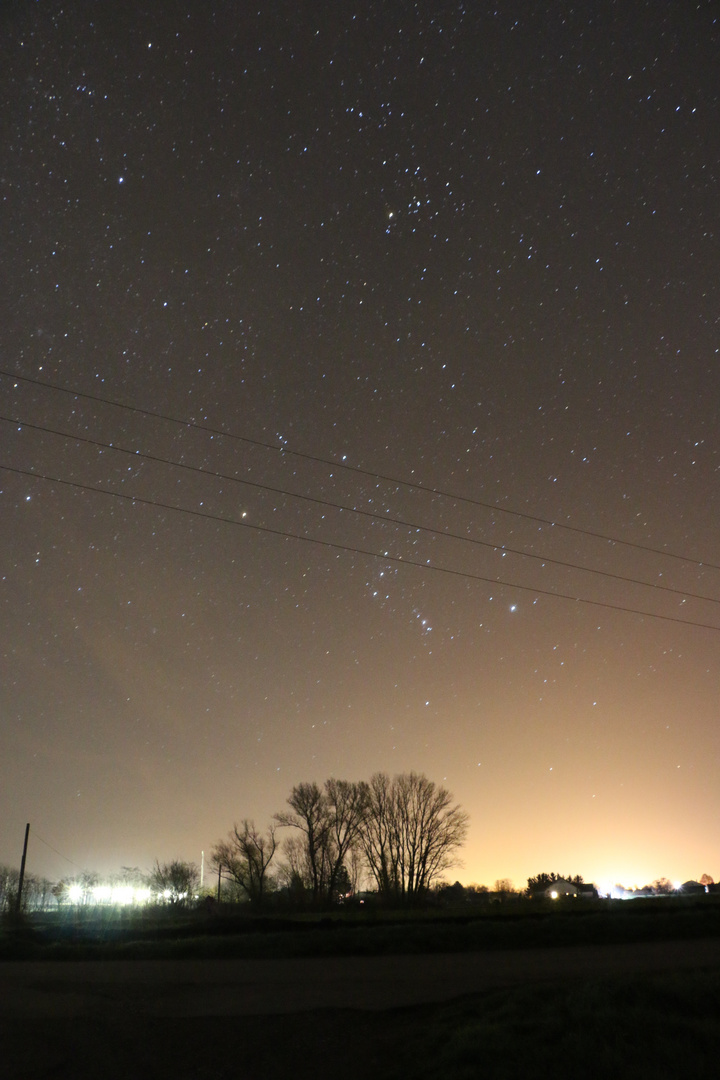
(110, 895)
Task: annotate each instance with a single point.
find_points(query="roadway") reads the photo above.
(204, 988)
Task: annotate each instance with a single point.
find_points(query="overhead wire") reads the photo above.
(383, 556)
(411, 484)
(36, 836)
(385, 518)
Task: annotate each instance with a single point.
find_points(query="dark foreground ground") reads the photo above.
(640, 1010)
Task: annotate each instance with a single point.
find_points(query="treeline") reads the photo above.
(394, 836)
(37, 891)
(399, 835)
(541, 882)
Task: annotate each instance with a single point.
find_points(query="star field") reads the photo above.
(359, 395)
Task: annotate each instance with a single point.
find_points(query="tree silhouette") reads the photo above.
(175, 882)
(411, 834)
(246, 855)
(329, 821)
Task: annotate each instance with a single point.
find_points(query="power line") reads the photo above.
(334, 545)
(387, 519)
(414, 485)
(36, 836)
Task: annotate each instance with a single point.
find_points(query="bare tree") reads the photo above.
(60, 892)
(293, 872)
(663, 886)
(130, 875)
(247, 855)
(37, 893)
(379, 836)
(329, 821)
(411, 834)
(346, 806)
(503, 888)
(175, 882)
(356, 866)
(309, 816)
(9, 878)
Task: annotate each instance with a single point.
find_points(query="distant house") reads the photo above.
(562, 888)
(693, 888)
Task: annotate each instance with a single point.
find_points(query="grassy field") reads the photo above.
(646, 1026)
(152, 934)
(643, 1027)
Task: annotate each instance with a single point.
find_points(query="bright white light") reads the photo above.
(608, 888)
(122, 895)
(110, 895)
(553, 895)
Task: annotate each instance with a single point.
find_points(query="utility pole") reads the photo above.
(22, 868)
(202, 869)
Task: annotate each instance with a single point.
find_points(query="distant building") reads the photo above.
(562, 888)
(693, 888)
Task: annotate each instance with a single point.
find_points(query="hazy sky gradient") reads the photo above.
(472, 247)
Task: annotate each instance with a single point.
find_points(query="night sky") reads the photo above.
(270, 277)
